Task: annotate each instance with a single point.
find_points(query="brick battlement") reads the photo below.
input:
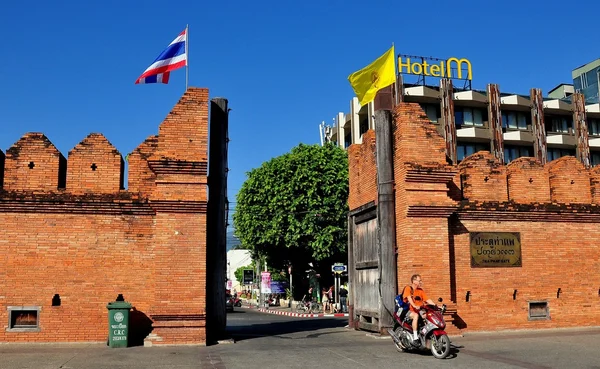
(525, 180)
(94, 166)
(479, 178)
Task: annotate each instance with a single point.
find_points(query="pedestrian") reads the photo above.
(344, 298)
(325, 300)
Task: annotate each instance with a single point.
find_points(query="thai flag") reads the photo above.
(173, 57)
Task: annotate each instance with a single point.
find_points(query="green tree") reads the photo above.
(293, 208)
(276, 275)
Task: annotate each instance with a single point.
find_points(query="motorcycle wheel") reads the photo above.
(440, 346)
(399, 346)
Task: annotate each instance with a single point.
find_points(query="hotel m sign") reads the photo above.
(453, 68)
(495, 249)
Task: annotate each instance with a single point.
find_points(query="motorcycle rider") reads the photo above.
(415, 296)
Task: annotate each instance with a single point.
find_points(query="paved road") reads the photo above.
(273, 341)
(331, 345)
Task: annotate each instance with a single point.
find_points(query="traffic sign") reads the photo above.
(248, 276)
(339, 268)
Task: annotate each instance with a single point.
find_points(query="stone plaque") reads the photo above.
(495, 249)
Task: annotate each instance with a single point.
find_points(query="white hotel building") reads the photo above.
(471, 118)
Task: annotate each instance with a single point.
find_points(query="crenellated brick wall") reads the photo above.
(70, 228)
(528, 181)
(554, 207)
(34, 164)
(95, 166)
(141, 178)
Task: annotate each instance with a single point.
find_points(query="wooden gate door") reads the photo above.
(364, 267)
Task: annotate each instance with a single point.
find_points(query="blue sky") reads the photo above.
(70, 66)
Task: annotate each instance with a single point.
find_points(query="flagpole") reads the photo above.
(395, 91)
(187, 56)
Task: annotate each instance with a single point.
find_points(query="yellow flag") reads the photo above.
(375, 76)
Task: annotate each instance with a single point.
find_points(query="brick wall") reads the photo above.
(554, 207)
(595, 184)
(34, 164)
(87, 259)
(141, 179)
(183, 135)
(91, 241)
(569, 181)
(362, 162)
(95, 166)
(528, 181)
(554, 255)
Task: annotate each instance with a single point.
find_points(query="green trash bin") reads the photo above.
(118, 323)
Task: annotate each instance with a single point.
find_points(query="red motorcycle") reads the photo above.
(431, 332)
(237, 302)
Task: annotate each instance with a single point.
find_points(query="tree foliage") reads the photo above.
(293, 208)
(276, 274)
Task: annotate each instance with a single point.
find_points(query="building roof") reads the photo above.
(559, 86)
(585, 68)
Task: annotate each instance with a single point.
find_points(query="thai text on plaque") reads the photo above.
(495, 249)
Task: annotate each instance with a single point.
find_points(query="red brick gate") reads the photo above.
(73, 239)
(552, 208)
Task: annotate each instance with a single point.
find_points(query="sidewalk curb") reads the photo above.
(301, 315)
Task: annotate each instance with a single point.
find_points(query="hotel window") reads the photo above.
(514, 152)
(23, 319)
(515, 120)
(554, 154)
(433, 112)
(595, 157)
(469, 117)
(594, 127)
(363, 126)
(465, 149)
(591, 78)
(577, 83)
(559, 124)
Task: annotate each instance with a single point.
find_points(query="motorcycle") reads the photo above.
(237, 302)
(431, 334)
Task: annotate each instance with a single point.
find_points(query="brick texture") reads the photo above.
(141, 179)
(93, 240)
(94, 166)
(595, 184)
(528, 181)
(483, 178)
(554, 207)
(362, 160)
(34, 164)
(185, 128)
(569, 181)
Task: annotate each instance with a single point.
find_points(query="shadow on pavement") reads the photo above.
(244, 332)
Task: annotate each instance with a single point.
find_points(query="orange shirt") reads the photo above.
(419, 297)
